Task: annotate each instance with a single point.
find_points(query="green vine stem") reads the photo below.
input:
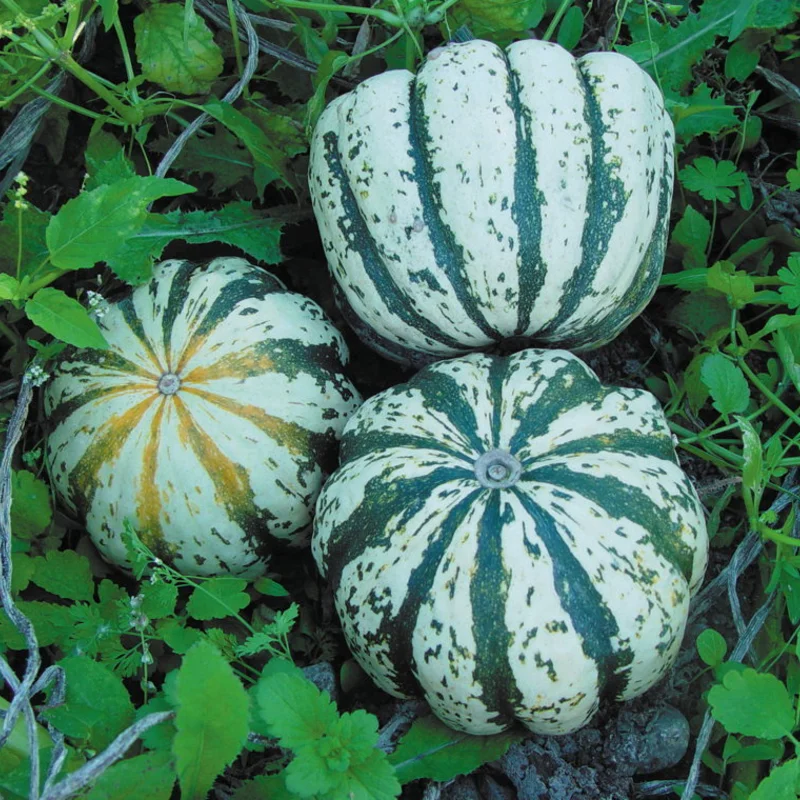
(560, 11)
(126, 58)
(387, 17)
(47, 48)
(734, 460)
(776, 401)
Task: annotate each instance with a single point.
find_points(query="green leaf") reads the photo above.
(270, 588)
(736, 285)
(9, 287)
(106, 161)
(146, 777)
(780, 784)
(176, 636)
(727, 384)
(487, 17)
(94, 225)
(66, 574)
(792, 176)
(692, 233)
(269, 160)
(682, 46)
(711, 179)
(790, 275)
(372, 778)
(22, 565)
(53, 623)
(221, 155)
(571, 28)
(158, 599)
(271, 638)
(701, 312)
(236, 224)
(741, 60)
(22, 236)
(314, 46)
(64, 318)
(701, 113)
(711, 647)
(177, 49)
(744, 11)
(335, 756)
(774, 14)
(264, 786)
(31, 506)
(752, 477)
(294, 710)
(696, 391)
(110, 9)
(211, 720)
(97, 706)
(765, 750)
(160, 736)
(216, 598)
(787, 346)
(334, 61)
(432, 750)
(751, 248)
(752, 703)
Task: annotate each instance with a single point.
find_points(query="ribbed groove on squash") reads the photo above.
(448, 253)
(377, 271)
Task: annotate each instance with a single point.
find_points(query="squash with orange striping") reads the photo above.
(210, 422)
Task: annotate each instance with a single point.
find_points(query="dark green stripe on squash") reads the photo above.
(643, 287)
(526, 208)
(622, 501)
(356, 233)
(590, 616)
(449, 253)
(488, 596)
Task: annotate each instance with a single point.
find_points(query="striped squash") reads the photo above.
(210, 422)
(511, 540)
(494, 195)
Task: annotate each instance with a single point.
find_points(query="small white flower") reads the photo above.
(36, 375)
(98, 305)
(140, 621)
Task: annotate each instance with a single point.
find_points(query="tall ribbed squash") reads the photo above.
(496, 194)
(511, 540)
(210, 422)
